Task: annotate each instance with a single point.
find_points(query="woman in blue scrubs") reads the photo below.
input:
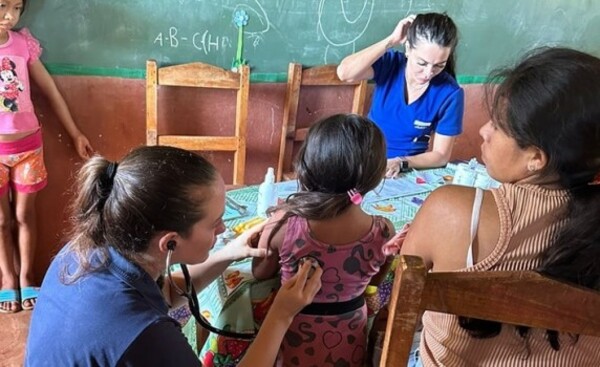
(417, 98)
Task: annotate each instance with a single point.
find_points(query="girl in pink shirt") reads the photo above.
(22, 170)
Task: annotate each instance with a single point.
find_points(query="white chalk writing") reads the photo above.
(204, 41)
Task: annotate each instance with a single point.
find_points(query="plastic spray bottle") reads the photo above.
(267, 193)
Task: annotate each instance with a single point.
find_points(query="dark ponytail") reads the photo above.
(124, 206)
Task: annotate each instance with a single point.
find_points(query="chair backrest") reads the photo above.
(200, 75)
(324, 75)
(521, 298)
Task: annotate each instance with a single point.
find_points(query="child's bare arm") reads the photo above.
(267, 267)
(385, 268)
(43, 79)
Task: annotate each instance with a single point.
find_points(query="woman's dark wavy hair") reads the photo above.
(438, 29)
(551, 100)
(340, 153)
(153, 189)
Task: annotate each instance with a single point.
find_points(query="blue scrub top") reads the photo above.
(408, 128)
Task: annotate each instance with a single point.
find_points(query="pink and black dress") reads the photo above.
(333, 329)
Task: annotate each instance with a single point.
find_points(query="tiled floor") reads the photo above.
(13, 336)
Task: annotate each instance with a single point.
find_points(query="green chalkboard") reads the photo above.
(122, 34)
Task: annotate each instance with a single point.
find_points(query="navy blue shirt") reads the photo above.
(115, 316)
(408, 127)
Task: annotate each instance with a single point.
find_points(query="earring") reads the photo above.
(531, 167)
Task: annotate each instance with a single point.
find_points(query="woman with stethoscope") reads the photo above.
(416, 97)
(101, 304)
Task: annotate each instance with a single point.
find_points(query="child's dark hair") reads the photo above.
(341, 152)
(123, 206)
(438, 29)
(24, 6)
(550, 101)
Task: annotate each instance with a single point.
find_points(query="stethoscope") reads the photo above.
(192, 297)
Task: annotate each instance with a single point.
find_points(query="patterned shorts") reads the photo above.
(22, 165)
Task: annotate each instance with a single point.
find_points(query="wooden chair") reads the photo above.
(521, 298)
(324, 75)
(201, 75)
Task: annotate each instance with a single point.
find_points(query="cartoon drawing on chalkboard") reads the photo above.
(260, 21)
(341, 33)
(11, 85)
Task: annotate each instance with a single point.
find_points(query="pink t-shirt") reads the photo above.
(16, 109)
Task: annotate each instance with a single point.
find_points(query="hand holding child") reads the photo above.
(393, 246)
(292, 297)
(245, 244)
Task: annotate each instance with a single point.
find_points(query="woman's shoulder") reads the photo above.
(441, 226)
(517, 197)
(395, 54)
(390, 63)
(524, 189)
(452, 194)
(444, 89)
(449, 207)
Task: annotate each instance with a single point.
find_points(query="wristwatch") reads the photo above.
(403, 165)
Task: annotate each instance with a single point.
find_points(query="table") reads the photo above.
(236, 301)
(397, 199)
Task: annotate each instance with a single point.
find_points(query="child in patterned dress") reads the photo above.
(341, 160)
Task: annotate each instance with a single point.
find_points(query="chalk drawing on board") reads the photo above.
(206, 41)
(260, 23)
(340, 37)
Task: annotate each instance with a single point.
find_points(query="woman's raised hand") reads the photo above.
(245, 244)
(398, 36)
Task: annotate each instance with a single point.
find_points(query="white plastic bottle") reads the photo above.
(267, 193)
